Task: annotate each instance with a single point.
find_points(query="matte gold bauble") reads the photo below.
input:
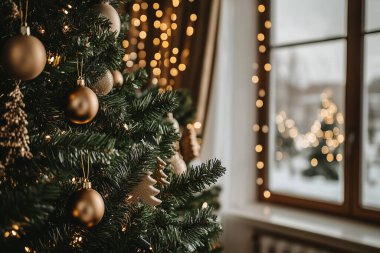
(24, 57)
(106, 10)
(82, 105)
(86, 207)
(104, 85)
(118, 78)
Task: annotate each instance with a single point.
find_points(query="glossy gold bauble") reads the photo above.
(118, 78)
(24, 57)
(104, 85)
(86, 207)
(106, 10)
(82, 105)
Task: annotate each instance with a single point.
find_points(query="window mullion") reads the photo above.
(354, 92)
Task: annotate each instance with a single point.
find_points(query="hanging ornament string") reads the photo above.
(80, 80)
(24, 15)
(80, 68)
(86, 180)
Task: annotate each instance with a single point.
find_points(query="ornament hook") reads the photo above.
(86, 180)
(80, 80)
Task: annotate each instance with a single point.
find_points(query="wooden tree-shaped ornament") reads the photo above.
(145, 191)
(190, 147)
(14, 136)
(159, 173)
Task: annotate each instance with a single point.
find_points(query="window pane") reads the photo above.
(300, 20)
(307, 124)
(372, 17)
(371, 136)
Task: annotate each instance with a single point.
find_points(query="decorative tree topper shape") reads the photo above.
(145, 191)
(14, 134)
(159, 174)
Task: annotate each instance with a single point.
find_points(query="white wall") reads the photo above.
(228, 133)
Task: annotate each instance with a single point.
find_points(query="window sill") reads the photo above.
(315, 227)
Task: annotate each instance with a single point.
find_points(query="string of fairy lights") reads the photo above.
(164, 57)
(330, 140)
(261, 68)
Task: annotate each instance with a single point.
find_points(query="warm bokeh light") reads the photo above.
(157, 56)
(268, 24)
(255, 79)
(125, 43)
(314, 162)
(260, 37)
(164, 36)
(136, 7)
(182, 67)
(259, 103)
(261, 93)
(153, 63)
(144, 5)
(193, 17)
(143, 18)
(189, 31)
(157, 24)
(266, 194)
(156, 6)
(159, 13)
(197, 125)
(142, 35)
(175, 3)
(173, 72)
(156, 71)
(156, 41)
(261, 8)
(165, 44)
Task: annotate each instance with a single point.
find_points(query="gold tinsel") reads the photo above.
(14, 138)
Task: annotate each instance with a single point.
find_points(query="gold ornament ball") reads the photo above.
(86, 207)
(24, 57)
(118, 78)
(107, 11)
(104, 85)
(82, 105)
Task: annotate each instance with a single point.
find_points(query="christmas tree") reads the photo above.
(97, 139)
(326, 149)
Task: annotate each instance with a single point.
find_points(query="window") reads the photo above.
(318, 79)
